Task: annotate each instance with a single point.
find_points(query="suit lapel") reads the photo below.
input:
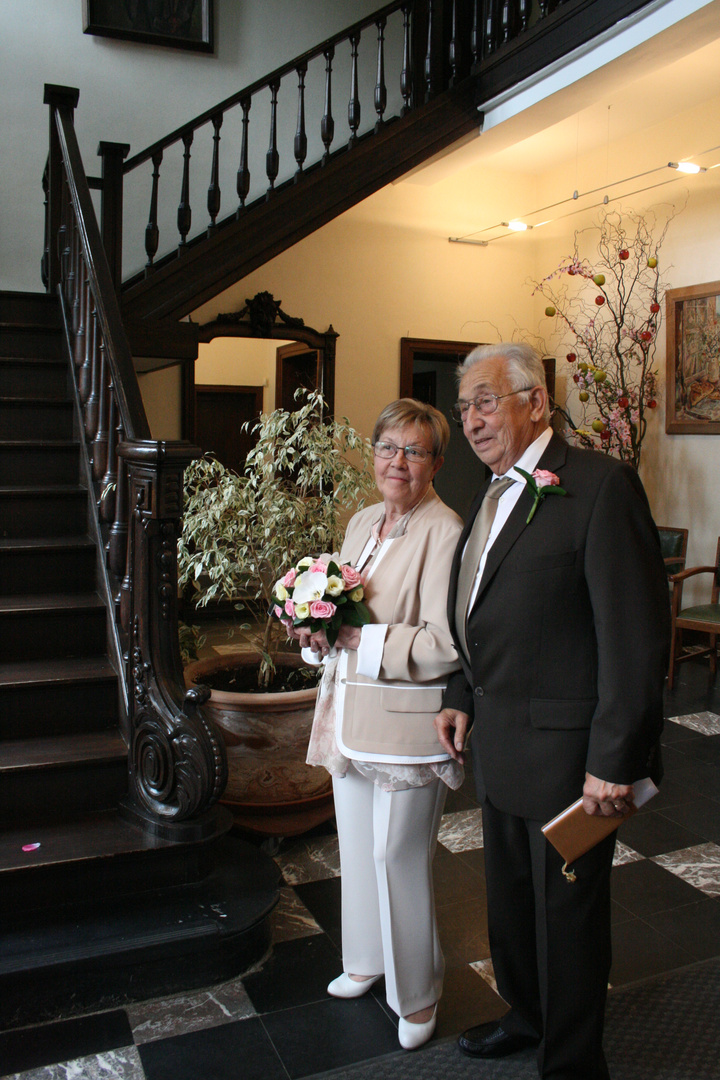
(553, 459)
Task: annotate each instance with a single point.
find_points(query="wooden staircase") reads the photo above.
(86, 897)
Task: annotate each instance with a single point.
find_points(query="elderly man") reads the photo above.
(559, 610)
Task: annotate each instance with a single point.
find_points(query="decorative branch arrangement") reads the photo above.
(609, 311)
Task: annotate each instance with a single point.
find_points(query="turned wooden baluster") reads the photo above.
(109, 480)
(428, 69)
(83, 289)
(92, 405)
(45, 260)
(100, 442)
(243, 173)
(327, 124)
(476, 34)
(380, 88)
(213, 195)
(300, 144)
(77, 285)
(184, 214)
(453, 46)
(523, 14)
(117, 540)
(85, 381)
(272, 158)
(152, 232)
(543, 5)
(126, 587)
(406, 73)
(491, 26)
(354, 102)
(505, 22)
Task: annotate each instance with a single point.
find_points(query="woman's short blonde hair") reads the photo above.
(409, 411)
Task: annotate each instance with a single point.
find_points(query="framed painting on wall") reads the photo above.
(693, 360)
(181, 24)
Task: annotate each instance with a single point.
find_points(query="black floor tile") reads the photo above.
(296, 973)
(32, 1048)
(462, 799)
(462, 927)
(695, 928)
(644, 889)
(453, 878)
(329, 1034)
(671, 793)
(705, 748)
(673, 733)
(700, 815)
(467, 1000)
(322, 899)
(237, 1051)
(639, 951)
(655, 834)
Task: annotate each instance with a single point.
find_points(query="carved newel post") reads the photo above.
(177, 760)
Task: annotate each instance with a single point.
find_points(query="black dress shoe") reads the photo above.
(489, 1041)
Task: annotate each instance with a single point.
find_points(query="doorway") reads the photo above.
(220, 415)
(427, 373)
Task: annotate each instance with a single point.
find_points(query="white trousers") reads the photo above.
(387, 842)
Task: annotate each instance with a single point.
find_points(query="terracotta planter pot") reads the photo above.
(270, 790)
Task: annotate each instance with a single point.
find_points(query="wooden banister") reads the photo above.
(176, 760)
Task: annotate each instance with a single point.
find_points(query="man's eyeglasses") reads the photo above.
(411, 453)
(485, 404)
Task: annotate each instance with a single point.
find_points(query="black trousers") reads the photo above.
(550, 943)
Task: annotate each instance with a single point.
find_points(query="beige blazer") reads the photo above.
(394, 714)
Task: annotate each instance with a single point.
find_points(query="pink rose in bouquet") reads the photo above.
(351, 577)
(322, 609)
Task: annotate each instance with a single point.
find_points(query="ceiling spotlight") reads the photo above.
(685, 166)
(516, 226)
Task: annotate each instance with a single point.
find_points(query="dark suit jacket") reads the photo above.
(568, 640)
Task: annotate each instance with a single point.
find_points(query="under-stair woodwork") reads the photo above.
(93, 908)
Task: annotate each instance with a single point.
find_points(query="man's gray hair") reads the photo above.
(525, 368)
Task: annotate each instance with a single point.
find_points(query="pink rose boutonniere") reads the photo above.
(541, 483)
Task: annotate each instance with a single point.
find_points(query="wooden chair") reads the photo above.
(673, 544)
(703, 618)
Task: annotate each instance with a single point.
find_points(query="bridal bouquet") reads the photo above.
(321, 594)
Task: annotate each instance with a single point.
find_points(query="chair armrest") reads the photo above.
(684, 574)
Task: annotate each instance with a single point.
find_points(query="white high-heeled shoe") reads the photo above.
(411, 1036)
(345, 987)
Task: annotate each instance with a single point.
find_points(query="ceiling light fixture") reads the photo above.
(515, 225)
(686, 166)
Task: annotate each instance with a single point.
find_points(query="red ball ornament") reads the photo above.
(605, 436)
(654, 308)
(652, 403)
(646, 336)
(576, 377)
(571, 358)
(599, 300)
(623, 402)
(624, 254)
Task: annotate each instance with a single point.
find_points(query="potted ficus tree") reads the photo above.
(241, 532)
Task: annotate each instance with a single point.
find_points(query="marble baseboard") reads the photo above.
(461, 831)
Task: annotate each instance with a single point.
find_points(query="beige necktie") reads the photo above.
(473, 552)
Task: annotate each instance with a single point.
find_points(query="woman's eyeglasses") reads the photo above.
(410, 453)
(485, 404)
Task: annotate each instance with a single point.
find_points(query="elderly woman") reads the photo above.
(373, 727)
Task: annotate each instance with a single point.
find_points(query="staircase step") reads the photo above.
(21, 309)
(54, 778)
(27, 512)
(25, 462)
(45, 419)
(29, 564)
(55, 697)
(31, 340)
(52, 626)
(41, 377)
(113, 949)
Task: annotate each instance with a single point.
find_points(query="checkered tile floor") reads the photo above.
(277, 1023)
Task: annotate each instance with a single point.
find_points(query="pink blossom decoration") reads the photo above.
(289, 579)
(542, 476)
(290, 608)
